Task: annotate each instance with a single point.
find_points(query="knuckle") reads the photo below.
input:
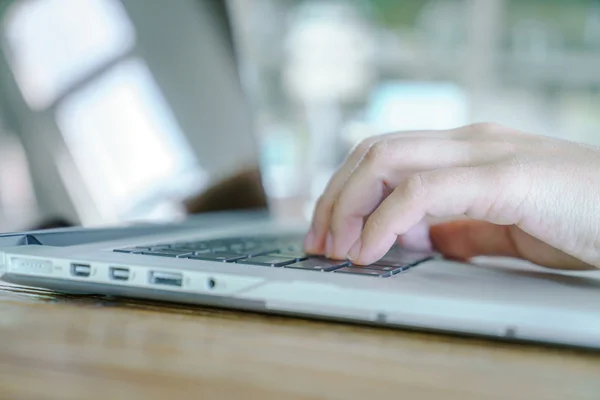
(415, 185)
(365, 144)
(516, 165)
(511, 172)
(486, 128)
(373, 224)
(410, 147)
(361, 149)
(321, 203)
(517, 175)
(507, 147)
(503, 196)
(336, 206)
(323, 208)
(497, 175)
(339, 214)
(377, 152)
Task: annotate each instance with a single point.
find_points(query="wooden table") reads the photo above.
(77, 347)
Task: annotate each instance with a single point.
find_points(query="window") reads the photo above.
(53, 43)
(114, 127)
(331, 73)
(76, 63)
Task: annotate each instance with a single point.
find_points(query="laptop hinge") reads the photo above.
(30, 240)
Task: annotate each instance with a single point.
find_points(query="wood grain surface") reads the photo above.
(90, 347)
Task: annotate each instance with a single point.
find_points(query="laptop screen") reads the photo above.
(141, 109)
(189, 50)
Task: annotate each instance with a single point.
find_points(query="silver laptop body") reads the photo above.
(495, 298)
(491, 297)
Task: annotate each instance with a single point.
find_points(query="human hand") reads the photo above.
(527, 196)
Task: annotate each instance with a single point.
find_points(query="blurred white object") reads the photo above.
(279, 159)
(328, 53)
(535, 40)
(127, 145)
(18, 206)
(54, 43)
(442, 24)
(328, 62)
(591, 28)
(398, 106)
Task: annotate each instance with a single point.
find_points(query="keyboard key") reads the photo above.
(393, 269)
(363, 271)
(237, 248)
(298, 256)
(217, 244)
(219, 249)
(268, 261)
(194, 246)
(261, 251)
(398, 256)
(252, 251)
(319, 264)
(191, 250)
(250, 245)
(167, 253)
(292, 247)
(159, 246)
(286, 248)
(220, 257)
(133, 250)
(258, 251)
(395, 263)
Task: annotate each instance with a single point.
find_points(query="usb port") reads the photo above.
(83, 270)
(119, 274)
(166, 278)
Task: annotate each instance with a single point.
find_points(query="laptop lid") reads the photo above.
(153, 115)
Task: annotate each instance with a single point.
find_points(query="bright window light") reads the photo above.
(399, 106)
(53, 43)
(126, 143)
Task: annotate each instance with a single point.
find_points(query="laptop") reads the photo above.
(251, 260)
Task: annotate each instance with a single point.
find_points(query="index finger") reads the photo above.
(315, 241)
(316, 237)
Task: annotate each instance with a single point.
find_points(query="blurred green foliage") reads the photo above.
(396, 13)
(567, 17)
(4, 5)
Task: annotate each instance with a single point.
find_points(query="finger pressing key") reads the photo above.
(315, 240)
(385, 166)
(447, 192)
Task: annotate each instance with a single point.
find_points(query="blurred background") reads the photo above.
(110, 113)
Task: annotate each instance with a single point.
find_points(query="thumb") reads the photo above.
(464, 239)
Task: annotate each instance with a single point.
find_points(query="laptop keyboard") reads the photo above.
(278, 252)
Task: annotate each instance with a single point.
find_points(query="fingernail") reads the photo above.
(309, 241)
(355, 250)
(329, 245)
